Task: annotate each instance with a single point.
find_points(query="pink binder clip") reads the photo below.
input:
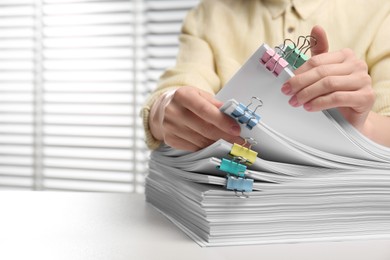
(267, 55)
(280, 65)
(273, 62)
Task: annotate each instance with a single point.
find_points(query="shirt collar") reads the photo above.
(304, 8)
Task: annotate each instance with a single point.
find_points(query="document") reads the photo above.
(300, 176)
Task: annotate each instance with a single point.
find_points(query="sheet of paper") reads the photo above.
(309, 128)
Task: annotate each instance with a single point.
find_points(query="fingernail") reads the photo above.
(286, 89)
(293, 101)
(307, 106)
(235, 130)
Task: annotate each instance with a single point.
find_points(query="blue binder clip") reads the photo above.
(239, 184)
(246, 116)
(232, 167)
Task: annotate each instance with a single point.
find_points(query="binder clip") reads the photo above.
(273, 61)
(296, 54)
(244, 152)
(239, 184)
(246, 116)
(232, 167)
(295, 57)
(236, 180)
(235, 170)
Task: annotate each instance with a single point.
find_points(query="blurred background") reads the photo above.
(73, 77)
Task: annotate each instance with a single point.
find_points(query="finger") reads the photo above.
(204, 128)
(191, 125)
(208, 130)
(302, 81)
(323, 59)
(326, 86)
(180, 143)
(209, 97)
(186, 135)
(319, 41)
(235, 139)
(211, 114)
(352, 99)
(177, 128)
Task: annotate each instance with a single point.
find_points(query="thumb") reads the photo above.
(319, 41)
(210, 98)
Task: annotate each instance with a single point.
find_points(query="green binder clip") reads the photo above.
(295, 57)
(232, 167)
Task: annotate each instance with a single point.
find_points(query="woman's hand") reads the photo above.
(190, 119)
(327, 80)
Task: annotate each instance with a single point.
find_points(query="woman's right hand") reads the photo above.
(190, 119)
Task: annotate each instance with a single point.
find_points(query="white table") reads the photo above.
(67, 225)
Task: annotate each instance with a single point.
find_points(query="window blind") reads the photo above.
(17, 59)
(73, 77)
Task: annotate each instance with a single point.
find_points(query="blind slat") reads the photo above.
(73, 77)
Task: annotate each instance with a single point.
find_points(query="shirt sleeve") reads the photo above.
(378, 60)
(194, 66)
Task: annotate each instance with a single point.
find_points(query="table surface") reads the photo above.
(71, 225)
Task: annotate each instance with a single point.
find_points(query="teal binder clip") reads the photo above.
(232, 167)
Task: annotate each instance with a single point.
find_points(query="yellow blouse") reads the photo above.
(218, 36)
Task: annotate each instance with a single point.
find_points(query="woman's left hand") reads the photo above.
(336, 79)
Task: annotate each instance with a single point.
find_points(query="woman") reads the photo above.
(349, 70)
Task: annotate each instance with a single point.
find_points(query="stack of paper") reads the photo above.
(315, 177)
(295, 204)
